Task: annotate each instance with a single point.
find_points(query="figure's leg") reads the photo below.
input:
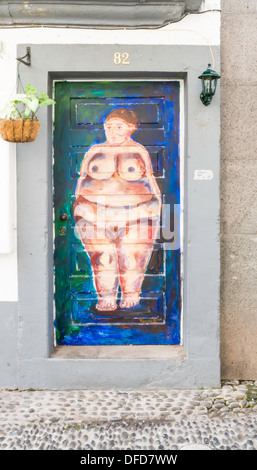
(103, 256)
(133, 261)
(134, 252)
(104, 263)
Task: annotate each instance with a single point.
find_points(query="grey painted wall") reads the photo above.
(8, 344)
(196, 363)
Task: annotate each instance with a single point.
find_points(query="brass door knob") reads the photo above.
(64, 217)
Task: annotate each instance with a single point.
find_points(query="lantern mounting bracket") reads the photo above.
(27, 55)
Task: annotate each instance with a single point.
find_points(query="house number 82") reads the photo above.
(121, 58)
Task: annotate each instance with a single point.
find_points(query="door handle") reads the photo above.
(64, 217)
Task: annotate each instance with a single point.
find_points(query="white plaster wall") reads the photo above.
(210, 5)
(201, 29)
(8, 257)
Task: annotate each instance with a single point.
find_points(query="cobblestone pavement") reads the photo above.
(222, 418)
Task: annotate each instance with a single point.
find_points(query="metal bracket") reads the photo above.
(28, 55)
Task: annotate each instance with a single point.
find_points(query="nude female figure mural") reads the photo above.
(117, 211)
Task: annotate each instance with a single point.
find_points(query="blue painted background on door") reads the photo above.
(79, 115)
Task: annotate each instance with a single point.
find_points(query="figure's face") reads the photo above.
(117, 131)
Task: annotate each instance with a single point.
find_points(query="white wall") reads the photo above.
(202, 29)
(210, 5)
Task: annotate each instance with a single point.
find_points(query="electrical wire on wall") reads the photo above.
(199, 34)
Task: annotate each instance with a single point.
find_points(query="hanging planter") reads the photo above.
(19, 130)
(20, 123)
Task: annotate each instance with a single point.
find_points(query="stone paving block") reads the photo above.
(50, 420)
(238, 342)
(238, 196)
(239, 276)
(238, 122)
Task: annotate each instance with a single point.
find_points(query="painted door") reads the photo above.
(116, 151)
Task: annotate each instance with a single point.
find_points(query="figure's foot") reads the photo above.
(107, 303)
(129, 300)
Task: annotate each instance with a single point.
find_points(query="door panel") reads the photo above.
(81, 108)
(86, 114)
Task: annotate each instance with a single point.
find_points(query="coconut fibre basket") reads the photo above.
(19, 130)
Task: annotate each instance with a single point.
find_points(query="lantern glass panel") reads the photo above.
(213, 85)
(207, 86)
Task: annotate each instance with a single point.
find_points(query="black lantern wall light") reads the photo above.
(209, 83)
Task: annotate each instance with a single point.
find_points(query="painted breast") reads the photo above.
(119, 179)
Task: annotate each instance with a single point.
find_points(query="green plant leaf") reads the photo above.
(44, 95)
(26, 104)
(46, 102)
(10, 111)
(31, 90)
(32, 103)
(27, 113)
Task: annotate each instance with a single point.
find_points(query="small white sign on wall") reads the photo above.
(203, 175)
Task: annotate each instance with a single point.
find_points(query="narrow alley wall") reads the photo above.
(238, 189)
